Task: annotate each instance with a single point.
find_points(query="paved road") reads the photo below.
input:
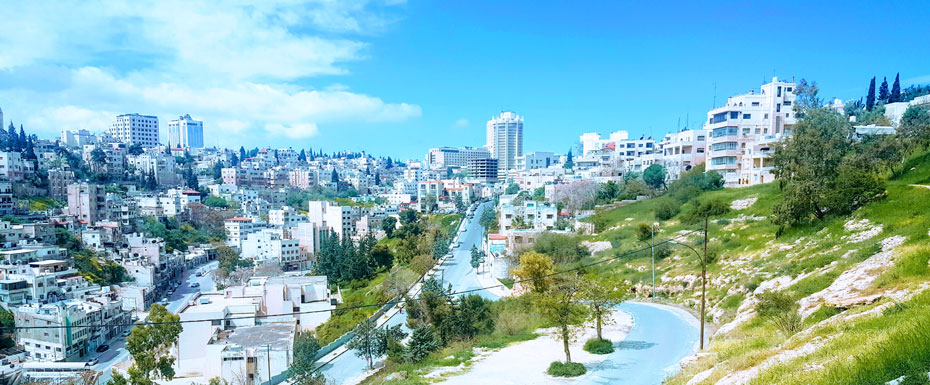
(118, 353)
(458, 272)
(660, 338)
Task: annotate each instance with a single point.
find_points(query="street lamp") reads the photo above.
(703, 282)
(652, 250)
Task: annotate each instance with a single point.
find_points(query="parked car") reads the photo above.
(125, 333)
(195, 284)
(102, 348)
(92, 362)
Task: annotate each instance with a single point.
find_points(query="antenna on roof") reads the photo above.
(715, 96)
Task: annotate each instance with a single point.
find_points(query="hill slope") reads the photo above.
(858, 283)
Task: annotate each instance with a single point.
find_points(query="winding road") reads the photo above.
(661, 335)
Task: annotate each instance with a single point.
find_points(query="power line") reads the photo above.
(354, 307)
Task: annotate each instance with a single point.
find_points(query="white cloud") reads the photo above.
(461, 123)
(242, 68)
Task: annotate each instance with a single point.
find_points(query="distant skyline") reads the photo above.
(395, 78)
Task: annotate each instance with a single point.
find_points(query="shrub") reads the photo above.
(667, 209)
(779, 308)
(598, 346)
(566, 369)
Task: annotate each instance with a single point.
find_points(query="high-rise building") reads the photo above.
(86, 202)
(505, 140)
(484, 170)
(185, 132)
(442, 157)
(136, 129)
(742, 134)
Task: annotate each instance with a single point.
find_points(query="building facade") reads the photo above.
(185, 132)
(136, 129)
(505, 140)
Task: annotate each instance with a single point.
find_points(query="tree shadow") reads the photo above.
(634, 345)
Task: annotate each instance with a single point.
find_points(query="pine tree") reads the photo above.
(242, 153)
(895, 90)
(568, 160)
(302, 157)
(30, 150)
(11, 137)
(377, 179)
(335, 177)
(883, 91)
(870, 97)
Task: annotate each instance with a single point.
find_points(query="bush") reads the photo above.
(779, 308)
(599, 346)
(667, 209)
(566, 369)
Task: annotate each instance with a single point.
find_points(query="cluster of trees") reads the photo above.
(341, 260)
(98, 270)
(22, 143)
(439, 317)
(688, 186)
(569, 298)
(822, 170)
(178, 235)
(228, 261)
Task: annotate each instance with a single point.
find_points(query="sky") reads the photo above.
(395, 77)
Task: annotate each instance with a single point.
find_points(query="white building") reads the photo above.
(269, 246)
(505, 140)
(13, 167)
(340, 219)
(443, 157)
(747, 126)
(530, 215)
(680, 151)
(136, 129)
(185, 132)
(77, 138)
(284, 217)
(236, 230)
(538, 159)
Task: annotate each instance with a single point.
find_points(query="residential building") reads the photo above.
(537, 159)
(13, 167)
(528, 215)
(185, 132)
(269, 246)
(680, 151)
(340, 219)
(77, 138)
(747, 125)
(136, 129)
(484, 170)
(505, 140)
(236, 230)
(86, 202)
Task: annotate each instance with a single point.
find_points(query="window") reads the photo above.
(755, 104)
(788, 89)
(787, 102)
(778, 92)
(723, 160)
(723, 131)
(747, 116)
(734, 115)
(778, 107)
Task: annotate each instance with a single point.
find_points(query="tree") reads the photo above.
(377, 178)
(388, 224)
(382, 256)
(607, 192)
(895, 89)
(430, 204)
(562, 248)
(218, 171)
(11, 137)
(602, 293)
(512, 188)
(885, 152)
(459, 203)
(535, 269)
(654, 176)
(422, 343)
(302, 156)
(408, 217)
(242, 154)
(915, 124)
(475, 257)
(701, 212)
(303, 366)
(779, 308)
(883, 91)
(806, 97)
(488, 219)
(150, 346)
(568, 161)
(870, 96)
(135, 149)
(98, 157)
(21, 141)
(334, 177)
(561, 304)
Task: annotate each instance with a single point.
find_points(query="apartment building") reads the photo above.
(236, 230)
(536, 159)
(13, 167)
(87, 202)
(135, 129)
(680, 151)
(286, 216)
(270, 246)
(742, 132)
(528, 215)
(484, 170)
(340, 219)
(77, 138)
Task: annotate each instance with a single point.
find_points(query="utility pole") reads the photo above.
(703, 280)
(652, 247)
(269, 363)
(371, 364)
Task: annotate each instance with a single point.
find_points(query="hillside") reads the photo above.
(858, 282)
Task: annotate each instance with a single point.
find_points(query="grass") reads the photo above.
(507, 282)
(750, 254)
(598, 346)
(43, 203)
(566, 369)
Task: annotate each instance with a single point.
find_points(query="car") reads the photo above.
(195, 284)
(198, 274)
(125, 333)
(92, 362)
(102, 348)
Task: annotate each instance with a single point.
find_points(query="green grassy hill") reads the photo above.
(858, 281)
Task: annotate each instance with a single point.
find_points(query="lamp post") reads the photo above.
(703, 280)
(652, 250)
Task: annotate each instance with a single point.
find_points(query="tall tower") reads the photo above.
(186, 132)
(505, 140)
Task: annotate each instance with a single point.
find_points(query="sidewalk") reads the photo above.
(485, 279)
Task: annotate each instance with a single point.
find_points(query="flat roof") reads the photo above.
(279, 335)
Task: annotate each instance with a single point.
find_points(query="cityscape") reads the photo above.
(254, 231)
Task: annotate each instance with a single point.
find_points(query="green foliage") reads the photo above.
(229, 260)
(98, 270)
(566, 369)
(607, 192)
(667, 209)
(779, 308)
(215, 201)
(562, 248)
(915, 124)
(372, 341)
(150, 346)
(302, 368)
(534, 270)
(598, 346)
(488, 220)
(341, 260)
(512, 188)
(389, 224)
(654, 176)
(408, 217)
(693, 182)
(177, 235)
(422, 343)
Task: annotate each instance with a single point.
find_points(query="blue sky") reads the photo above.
(395, 78)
